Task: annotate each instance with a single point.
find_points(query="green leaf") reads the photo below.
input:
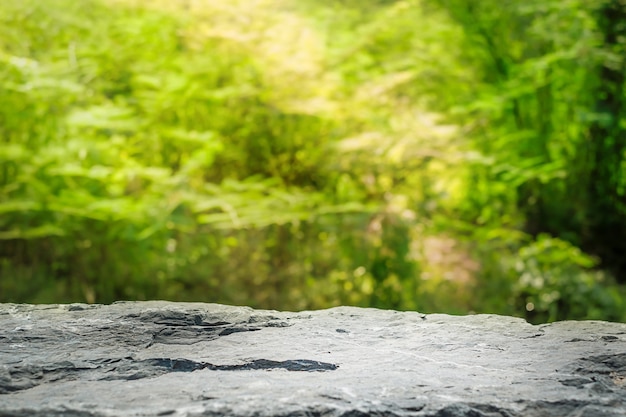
(32, 233)
(105, 117)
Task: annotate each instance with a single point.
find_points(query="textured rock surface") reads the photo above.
(179, 359)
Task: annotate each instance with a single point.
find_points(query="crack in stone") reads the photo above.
(129, 368)
(184, 328)
(602, 373)
(164, 365)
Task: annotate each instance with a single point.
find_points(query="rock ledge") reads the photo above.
(191, 359)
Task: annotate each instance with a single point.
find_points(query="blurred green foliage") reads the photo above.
(436, 155)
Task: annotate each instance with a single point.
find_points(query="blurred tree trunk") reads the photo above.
(606, 211)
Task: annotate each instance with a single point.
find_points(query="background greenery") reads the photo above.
(434, 155)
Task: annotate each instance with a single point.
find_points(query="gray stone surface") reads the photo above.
(180, 359)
